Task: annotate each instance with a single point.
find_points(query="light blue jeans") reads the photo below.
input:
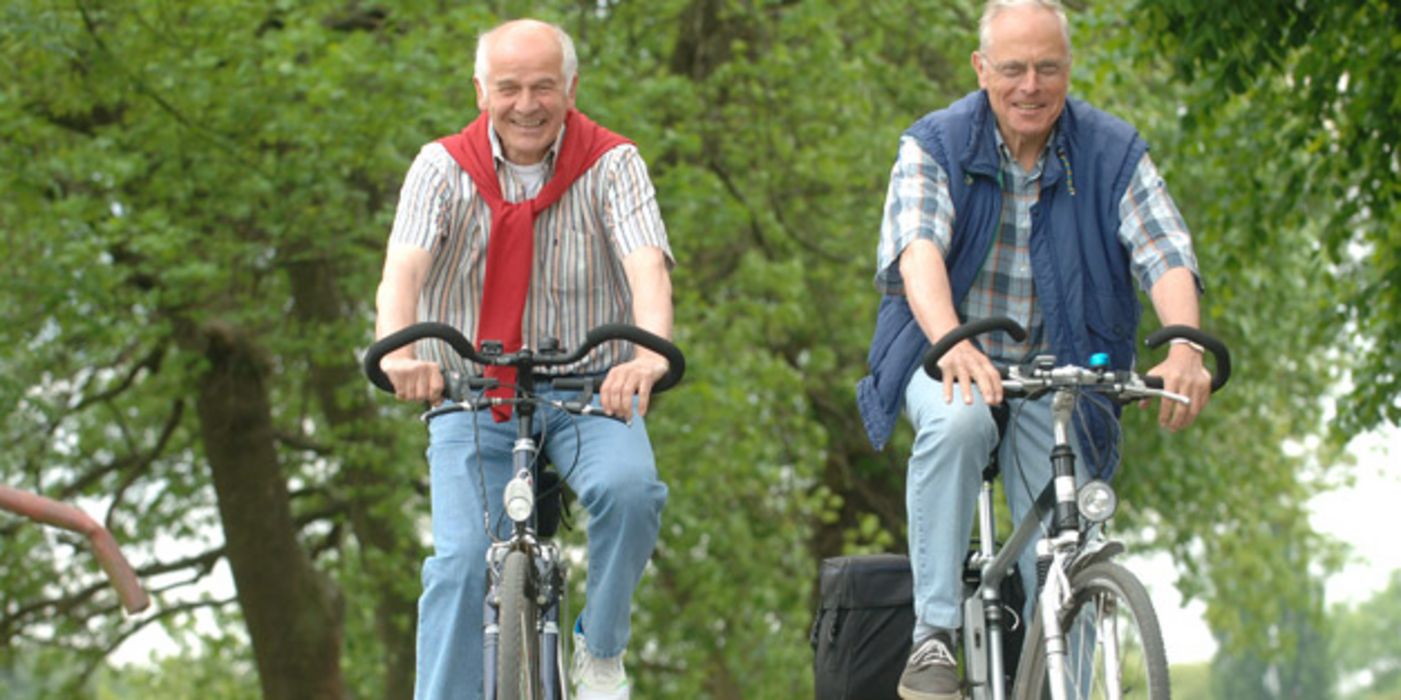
(616, 482)
(953, 442)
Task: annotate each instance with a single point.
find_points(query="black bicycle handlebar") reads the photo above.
(524, 360)
(1218, 350)
(964, 332)
(1220, 354)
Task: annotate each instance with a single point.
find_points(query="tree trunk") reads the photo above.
(391, 552)
(292, 612)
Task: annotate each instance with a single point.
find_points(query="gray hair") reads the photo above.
(995, 8)
(570, 65)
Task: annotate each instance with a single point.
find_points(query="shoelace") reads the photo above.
(603, 673)
(933, 652)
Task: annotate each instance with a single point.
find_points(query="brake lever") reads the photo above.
(583, 408)
(432, 413)
(1139, 393)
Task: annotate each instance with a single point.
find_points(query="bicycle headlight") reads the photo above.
(1097, 501)
(520, 499)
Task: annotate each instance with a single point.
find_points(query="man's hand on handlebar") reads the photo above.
(1183, 373)
(413, 379)
(633, 378)
(965, 365)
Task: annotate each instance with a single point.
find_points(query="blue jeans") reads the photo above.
(953, 442)
(616, 482)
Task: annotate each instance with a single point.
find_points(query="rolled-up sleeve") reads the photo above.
(917, 206)
(632, 215)
(422, 217)
(1152, 229)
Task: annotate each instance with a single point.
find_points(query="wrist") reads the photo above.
(1187, 343)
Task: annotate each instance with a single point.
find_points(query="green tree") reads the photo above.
(1287, 120)
(1365, 644)
(196, 204)
(195, 196)
(1313, 81)
(1304, 671)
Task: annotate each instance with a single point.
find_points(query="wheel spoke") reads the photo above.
(1114, 646)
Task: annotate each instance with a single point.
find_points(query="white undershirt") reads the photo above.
(531, 176)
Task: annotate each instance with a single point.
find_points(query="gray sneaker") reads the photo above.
(932, 672)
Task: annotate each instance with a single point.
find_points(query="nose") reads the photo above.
(1030, 81)
(528, 101)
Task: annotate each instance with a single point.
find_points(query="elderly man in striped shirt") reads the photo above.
(1014, 201)
(531, 223)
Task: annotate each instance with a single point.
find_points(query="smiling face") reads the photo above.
(525, 91)
(1025, 68)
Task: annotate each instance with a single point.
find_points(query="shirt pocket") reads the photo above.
(571, 263)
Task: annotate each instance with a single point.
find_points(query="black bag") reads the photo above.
(861, 637)
(551, 507)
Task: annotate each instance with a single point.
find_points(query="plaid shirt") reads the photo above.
(577, 281)
(918, 206)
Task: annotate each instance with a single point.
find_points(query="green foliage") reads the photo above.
(1190, 681)
(1311, 89)
(219, 668)
(1365, 644)
(168, 165)
(171, 164)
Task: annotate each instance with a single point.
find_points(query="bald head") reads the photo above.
(994, 8)
(526, 30)
(526, 76)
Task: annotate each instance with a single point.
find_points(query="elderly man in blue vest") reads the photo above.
(1013, 201)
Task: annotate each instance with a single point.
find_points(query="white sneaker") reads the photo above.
(594, 678)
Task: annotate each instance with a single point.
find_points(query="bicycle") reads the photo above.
(1094, 632)
(523, 649)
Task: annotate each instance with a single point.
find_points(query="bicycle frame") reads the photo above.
(983, 611)
(548, 568)
(546, 574)
(1066, 551)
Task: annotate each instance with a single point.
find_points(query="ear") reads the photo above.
(977, 60)
(572, 92)
(481, 94)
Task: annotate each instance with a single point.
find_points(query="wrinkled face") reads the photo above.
(1026, 72)
(525, 92)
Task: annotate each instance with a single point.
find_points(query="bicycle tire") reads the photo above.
(1102, 591)
(518, 651)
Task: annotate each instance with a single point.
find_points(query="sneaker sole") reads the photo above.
(910, 694)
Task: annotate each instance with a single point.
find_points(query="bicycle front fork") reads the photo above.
(553, 607)
(1054, 597)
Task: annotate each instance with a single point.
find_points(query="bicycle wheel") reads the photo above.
(518, 652)
(1113, 643)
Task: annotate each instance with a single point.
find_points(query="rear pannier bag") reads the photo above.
(862, 634)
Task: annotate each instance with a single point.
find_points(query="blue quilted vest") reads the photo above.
(1084, 285)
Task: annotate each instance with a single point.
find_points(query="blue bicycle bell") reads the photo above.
(1099, 360)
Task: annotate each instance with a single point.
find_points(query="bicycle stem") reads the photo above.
(1067, 515)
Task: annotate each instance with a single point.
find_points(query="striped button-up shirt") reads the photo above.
(577, 280)
(918, 206)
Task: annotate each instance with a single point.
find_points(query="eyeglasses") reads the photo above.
(1014, 70)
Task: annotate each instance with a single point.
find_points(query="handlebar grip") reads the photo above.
(676, 362)
(1217, 349)
(402, 337)
(964, 332)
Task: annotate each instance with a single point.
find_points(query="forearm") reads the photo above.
(1174, 298)
(927, 289)
(396, 301)
(650, 283)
